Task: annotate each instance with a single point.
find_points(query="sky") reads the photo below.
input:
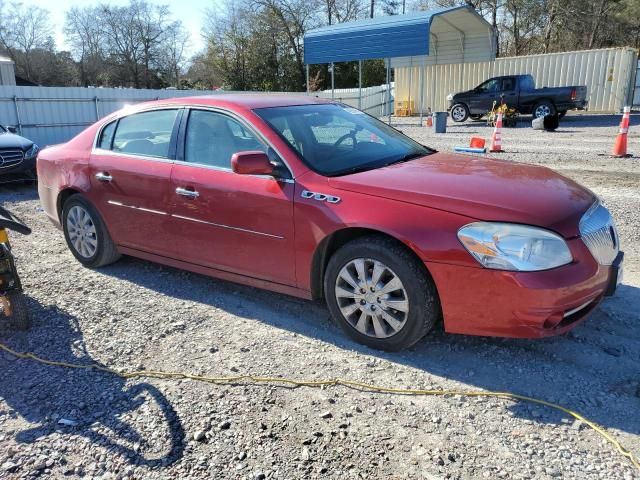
(191, 12)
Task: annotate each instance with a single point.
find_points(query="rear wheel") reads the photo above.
(86, 234)
(459, 112)
(544, 108)
(380, 294)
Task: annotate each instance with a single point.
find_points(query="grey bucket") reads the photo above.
(440, 122)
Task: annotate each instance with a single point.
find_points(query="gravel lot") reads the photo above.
(134, 314)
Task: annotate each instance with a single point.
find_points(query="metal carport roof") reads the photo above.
(391, 36)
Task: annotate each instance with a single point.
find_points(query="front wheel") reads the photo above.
(15, 309)
(459, 112)
(380, 294)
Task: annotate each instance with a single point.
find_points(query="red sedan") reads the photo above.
(316, 199)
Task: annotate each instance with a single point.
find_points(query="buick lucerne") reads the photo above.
(316, 199)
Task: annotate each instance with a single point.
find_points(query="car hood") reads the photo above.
(483, 189)
(9, 140)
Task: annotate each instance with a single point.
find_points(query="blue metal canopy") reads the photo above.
(381, 37)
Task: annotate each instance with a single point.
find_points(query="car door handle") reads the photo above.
(103, 177)
(187, 193)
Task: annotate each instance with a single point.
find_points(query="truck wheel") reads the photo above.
(380, 294)
(544, 108)
(459, 112)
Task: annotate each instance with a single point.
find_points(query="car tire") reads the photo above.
(459, 112)
(392, 329)
(544, 108)
(19, 317)
(86, 234)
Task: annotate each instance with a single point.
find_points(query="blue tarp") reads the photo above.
(381, 37)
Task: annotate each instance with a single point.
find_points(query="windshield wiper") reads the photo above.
(407, 157)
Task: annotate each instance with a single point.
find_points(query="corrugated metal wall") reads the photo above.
(49, 115)
(608, 74)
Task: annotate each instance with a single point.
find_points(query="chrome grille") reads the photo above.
(599, 234)
(10, 157)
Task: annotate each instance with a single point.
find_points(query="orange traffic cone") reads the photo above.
(620, 147)
(496, 141)
(429, 122)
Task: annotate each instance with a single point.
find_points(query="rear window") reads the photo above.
(106, 136)
(146, 133)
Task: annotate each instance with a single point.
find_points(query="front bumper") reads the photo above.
(25, 170)
(480, 301)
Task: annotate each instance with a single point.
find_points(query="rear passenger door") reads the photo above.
(484, 95)
(130, 172)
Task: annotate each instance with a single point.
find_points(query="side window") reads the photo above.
(509, 84)
(146, 133)
(106, 136)
(492, 85)
(212, 138)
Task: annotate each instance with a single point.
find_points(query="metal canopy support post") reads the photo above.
(410, 85)
(15, 104)
(389, 89)
(422, 92)
(359, 84)
(333, 81)
(307, 79)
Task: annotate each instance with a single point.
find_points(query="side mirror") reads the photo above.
(12, 129)
(251, 163)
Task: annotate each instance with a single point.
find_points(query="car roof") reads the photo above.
(249, 101)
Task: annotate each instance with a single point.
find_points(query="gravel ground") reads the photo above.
(56, 422)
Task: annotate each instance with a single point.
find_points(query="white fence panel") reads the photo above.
(374, 99)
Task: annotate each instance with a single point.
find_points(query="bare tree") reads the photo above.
(84, 35)
(22, 30)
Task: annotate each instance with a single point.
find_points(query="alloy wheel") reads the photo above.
(458, 113)
(372, 298)
(543, 111)
(82, 231)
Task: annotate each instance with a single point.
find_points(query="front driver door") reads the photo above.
(130, 171)
(237, 223)
(483, 97)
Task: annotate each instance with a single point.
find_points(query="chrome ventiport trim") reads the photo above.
(321, 197)
(599, 234)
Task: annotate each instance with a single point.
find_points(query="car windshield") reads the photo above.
(335, 139)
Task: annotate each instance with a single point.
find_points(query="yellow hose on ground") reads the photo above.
(332, 383)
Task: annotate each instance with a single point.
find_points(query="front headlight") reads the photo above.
(509, 246)
(450, 97)
(32, 152)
